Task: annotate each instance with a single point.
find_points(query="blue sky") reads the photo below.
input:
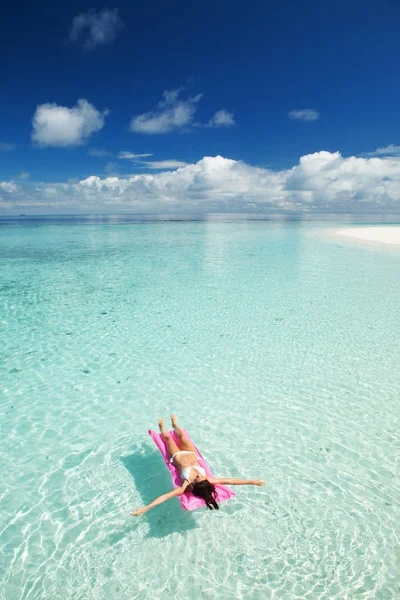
(236, 74)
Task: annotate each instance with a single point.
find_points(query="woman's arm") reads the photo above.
(176, 492)
(236, 481)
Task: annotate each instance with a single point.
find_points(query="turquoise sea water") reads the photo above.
(277, 347)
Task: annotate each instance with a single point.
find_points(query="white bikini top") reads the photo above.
(185, 474)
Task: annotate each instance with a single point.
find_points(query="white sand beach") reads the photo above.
(383, 235)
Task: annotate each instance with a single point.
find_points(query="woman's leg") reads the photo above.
(172, 447)
(185, 444)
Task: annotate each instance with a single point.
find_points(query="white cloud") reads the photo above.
(55, 125)
(96, 28)
(172, 114)
(99, 152)
(222, 118)
(137, 159)
(23, 175)
(131, 156)
(306, 114)
(329, 181)
(8, 186)
(390, 150)
(176, 114)
(4, 147)
(323, 182)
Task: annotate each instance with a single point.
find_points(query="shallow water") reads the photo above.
(277, 347)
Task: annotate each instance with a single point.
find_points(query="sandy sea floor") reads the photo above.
(279, 351)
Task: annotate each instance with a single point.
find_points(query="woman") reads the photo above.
(193, 476)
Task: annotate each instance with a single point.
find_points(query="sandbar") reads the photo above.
(383, 235)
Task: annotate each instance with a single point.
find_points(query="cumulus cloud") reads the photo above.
(8, 186)
(330, 181)
(212, 182)
(175, 113)
(55, 125)
(95, 29)
(306, 114)
(323, 182)
(4, 147)
(222, 118)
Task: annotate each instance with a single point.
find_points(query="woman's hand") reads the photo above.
(138, 512)
(176, 492)
(229, 481)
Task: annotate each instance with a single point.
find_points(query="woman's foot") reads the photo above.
(176, 427)
(162, 428)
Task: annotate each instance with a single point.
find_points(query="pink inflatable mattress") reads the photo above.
(188, 500)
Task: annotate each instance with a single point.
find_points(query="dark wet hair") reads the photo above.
(206, 490)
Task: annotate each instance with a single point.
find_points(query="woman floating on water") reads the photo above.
(193, 476)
